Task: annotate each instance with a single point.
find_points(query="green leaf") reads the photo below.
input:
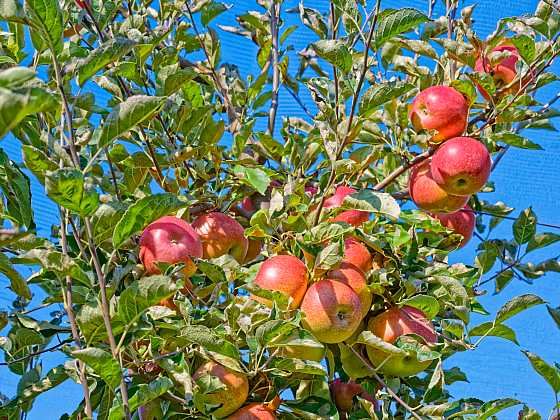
(17, 104)
(14, 77)
(393, 22)
(53, 378)
(141, 295)
(103, 363)
(516, 305)
(144, 394)
(370, 339)
(525, 226)
(555, 314)
(381, 93)
(127, 115)
(490, 408)
(503, 279)
(46, 17)
(142, 213)
(17, 282)
(495, 330)
(208, 339)
(335, 51)
(11, 11)
(37, 162)
(212, 271)
(100, 57)
(541, 240)
(515, 140)
(427, 304)
(549, 373)
(255, 177)
(375, 202)
(15, 185)
(210, 11)
(67, 187)
(525, 46)
(313, 20)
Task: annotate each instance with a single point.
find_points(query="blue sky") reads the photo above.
(497, 368)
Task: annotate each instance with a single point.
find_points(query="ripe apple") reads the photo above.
(221, 234)
(169, 240)
(353, 277)
(504, 72)
(254, 411)
(389, 326)
(461, 166)
(283, 273)
(343, 394)
(440, 108)
(462, 222)
(352, 217)
(229, 398)
(356, 253)
(332, 311)
(428, 195)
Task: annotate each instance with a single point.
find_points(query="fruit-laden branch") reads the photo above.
(274, 21)
(37, 353)
(383, 384)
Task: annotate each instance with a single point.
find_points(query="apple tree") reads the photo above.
(214, 257)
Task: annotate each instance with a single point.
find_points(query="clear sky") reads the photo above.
(497, 368)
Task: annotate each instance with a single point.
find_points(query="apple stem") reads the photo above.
(383, 384)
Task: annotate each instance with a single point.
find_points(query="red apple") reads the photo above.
(231, 397)
(389, 326)
(169, 240)
(332, 311)
(352, 217)
(504, 72)
(461, 166)
(254, 411)
(440, 108)
(428, 195)
(286, 274)
(357, 253)
(462, 222)
(343, 394)
(353, 277)
(221, 234)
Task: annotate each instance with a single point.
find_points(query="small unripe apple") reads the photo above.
(461, 166)
(356, 253)
(428, 195)
(283, 273)
(389, 326)
(352, 217)
(353, 277)
(229, 398)
(462, 222)
(169, 240)
(442, 109)
(220, 235)
(332, 311)
(254, 411)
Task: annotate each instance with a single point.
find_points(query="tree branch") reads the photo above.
(274, 21)
(37, 353)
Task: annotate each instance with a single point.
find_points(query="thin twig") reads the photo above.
(334, 24)
(36, 353)
(274, 21)
(383, 384)
(403, 168)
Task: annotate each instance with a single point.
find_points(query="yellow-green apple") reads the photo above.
(283, 273)
(428, 195)
(352, 217)
(461, 166)
(332, 311)
(220, 235)
(389, 326)
(169, 240)
(442, 109)
(356, 253)
(228, 398)
(353, 277)
(461, 222)
(503, 71)
(254, 411)
(343, 394)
